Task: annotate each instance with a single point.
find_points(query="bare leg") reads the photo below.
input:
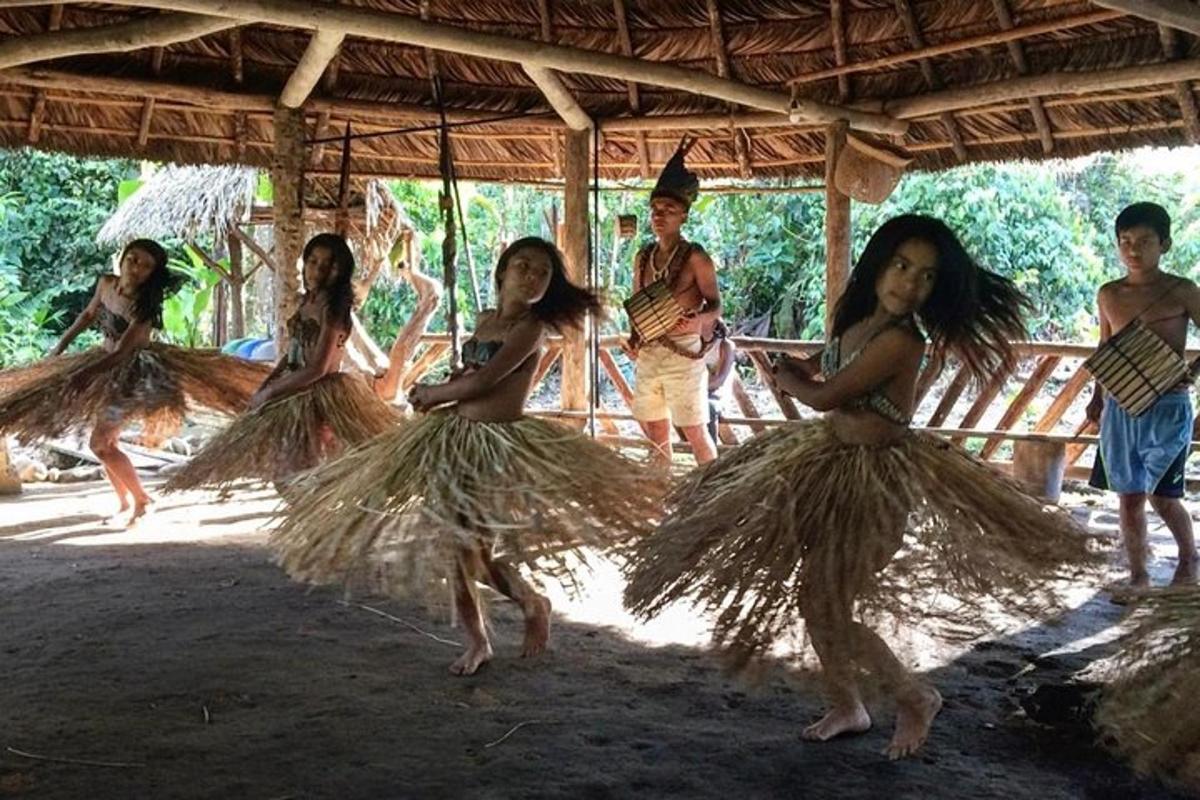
(119, 468)
(119, 488)
(702, 444)
(505, 579)
(1133, 533)
(1179, 522)
(466, 603)
(828, 630)
(658, 431)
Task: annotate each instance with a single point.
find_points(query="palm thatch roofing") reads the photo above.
(974, 79)
(192, 201)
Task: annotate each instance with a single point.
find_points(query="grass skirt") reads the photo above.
(1150, 708)
(156, 384)
(404, 504)
(289, 435)
(795, 516)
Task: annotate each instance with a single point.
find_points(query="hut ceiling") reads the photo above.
(967, 80)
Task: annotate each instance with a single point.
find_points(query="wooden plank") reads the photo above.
(746, 404)
(548, 359)
(982, 402)
(1063, 401)
(953, 392)
(617, 377)
(423, 363)
(1039, 376)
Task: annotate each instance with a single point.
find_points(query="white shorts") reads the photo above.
(670, 386)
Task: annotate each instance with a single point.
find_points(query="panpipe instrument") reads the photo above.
(653, 311)
(1136, 367)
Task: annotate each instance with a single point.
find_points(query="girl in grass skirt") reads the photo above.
(306, 410)
(128, 378)
(472, 491)
(1149, 710)
(854, 511)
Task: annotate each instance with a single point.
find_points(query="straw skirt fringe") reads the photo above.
(400, 508)
(796, 517)
(156, 384)
(1150, 709)
(289, 435)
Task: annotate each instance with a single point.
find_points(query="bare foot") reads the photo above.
(1185, 571)
(537, 628)
(914, 714)
(475, 657)
(838, 721)
(139, 510)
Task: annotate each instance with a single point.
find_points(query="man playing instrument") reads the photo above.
(671, 376)
(1143, 457)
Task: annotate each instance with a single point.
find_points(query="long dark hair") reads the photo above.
(564, 304)
(341, 292)
(971, 312)
(161, 283)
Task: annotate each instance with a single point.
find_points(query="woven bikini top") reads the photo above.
(110, 323)
(875, 400)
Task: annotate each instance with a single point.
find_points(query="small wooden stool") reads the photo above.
(1040, 466)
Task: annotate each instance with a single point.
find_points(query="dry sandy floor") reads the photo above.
(181, 654)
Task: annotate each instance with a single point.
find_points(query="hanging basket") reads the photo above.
(627, 226)
(868, 169)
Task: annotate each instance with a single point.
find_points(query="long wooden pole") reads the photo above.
(575, 371)
(837, 225)
(287, 165)
(121, 37)
(320, 51)
(389, 26)
(1179, 14)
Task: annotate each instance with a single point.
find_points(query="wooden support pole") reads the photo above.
(1183, 89)
(560, 98)
(837, 32)
(287, 165)
(322, 49)
(635, 101)
(575, 372)
(389, 26)
(837, 225)
(122, 37)
(237, 281)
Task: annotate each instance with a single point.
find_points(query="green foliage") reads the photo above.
(184, 311)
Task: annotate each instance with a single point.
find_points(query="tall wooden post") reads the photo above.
(837, 224)
(287, 164)
(237, 274)
(575, 384)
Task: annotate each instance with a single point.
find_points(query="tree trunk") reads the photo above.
(287, 165)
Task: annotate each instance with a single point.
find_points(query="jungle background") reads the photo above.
(1049, 226)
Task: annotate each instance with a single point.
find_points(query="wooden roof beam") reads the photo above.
(721, 55)
(913, 30)
(39, 99)
(122, 37)
(1178, 14)
(560, 98)
(958, 46)
(1183, 90)
(320, 51)
(635, 103)
(837, 32)
(1052, 83)
(385, 26)
(1016, 51)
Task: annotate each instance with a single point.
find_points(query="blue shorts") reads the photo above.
(1146, 454)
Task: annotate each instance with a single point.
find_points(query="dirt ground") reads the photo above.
(180, 654)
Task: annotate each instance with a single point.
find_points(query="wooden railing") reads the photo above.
(1042, 400)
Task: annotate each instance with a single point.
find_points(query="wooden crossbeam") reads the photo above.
(1016, 51)
(912, 29)
(635, 103)
(837, 33)
(121, 37)
(1041, 373)
(387, 26)
(559, 97)
(320, 51)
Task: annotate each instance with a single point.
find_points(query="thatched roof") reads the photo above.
(145, 103)
(192, 201)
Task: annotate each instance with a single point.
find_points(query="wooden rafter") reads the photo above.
(1016, 51)
(837, 32)
(716, 32)
(560, 98)
(121, 37)
(1179, 14)
(385, 26)
(960, 45)
(1184, 96)
(39, 100)
(635, 103)
(237, 58)
(912, 29)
